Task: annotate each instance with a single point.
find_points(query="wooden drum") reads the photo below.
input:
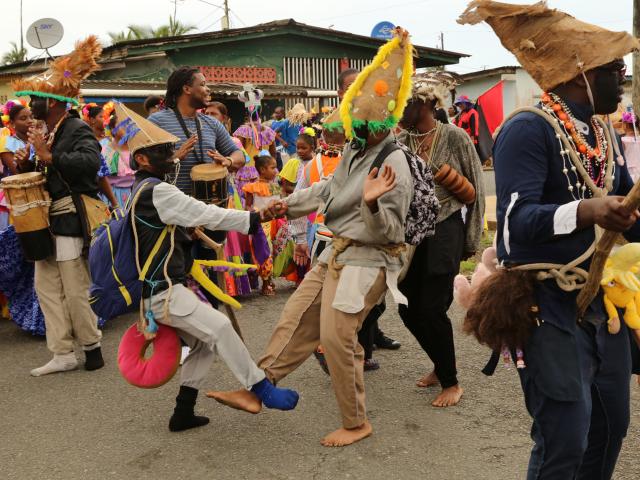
(209, 182)
(29, 205)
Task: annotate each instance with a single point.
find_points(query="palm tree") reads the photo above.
(15, 55)
(139, 32)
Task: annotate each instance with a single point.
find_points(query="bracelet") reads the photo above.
(230, 161)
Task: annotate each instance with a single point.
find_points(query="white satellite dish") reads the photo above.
(44, 33)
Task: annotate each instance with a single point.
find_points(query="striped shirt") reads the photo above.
(214, 137)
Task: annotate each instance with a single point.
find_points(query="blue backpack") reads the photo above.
(116, 283)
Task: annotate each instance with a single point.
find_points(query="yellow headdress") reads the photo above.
(379, 94)
(62, 80)
(551, 45)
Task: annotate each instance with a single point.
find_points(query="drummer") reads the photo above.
(69, 155)
(203, 139)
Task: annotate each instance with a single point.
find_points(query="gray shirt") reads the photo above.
(346, 214)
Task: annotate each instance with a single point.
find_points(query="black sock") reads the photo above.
(183, 417)
(93, 359)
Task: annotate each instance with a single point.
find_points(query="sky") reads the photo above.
(425, 20)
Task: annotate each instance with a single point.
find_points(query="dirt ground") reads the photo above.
(93, 425)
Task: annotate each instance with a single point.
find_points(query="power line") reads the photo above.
(238, 18)
(212, 4)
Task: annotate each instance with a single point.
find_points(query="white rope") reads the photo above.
(20, 210)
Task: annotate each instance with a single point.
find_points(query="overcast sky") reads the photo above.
(424, 19)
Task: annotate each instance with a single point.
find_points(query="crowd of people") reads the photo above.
(379, 199)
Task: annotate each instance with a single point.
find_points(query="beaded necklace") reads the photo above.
(594, 159)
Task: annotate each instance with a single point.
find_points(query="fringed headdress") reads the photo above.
(551, 45)
(434, 86)
(378, 96)
(62, 80)
(298, 115)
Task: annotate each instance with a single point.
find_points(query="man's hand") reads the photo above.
(36, 138)
(276, 209)
(301, 254)
(606, 212)
(377, 185)
(219, 158)
(21, 157)
(186, 147)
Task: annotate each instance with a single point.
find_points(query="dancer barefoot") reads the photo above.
(366, 214)
(428, 284)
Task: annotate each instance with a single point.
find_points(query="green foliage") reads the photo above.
(174, 28)
(15, 55)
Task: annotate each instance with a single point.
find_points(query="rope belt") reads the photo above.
(62, 206)
(568, 277)
(340, 245)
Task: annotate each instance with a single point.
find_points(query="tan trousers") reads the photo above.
(63, 293)
(308, 319)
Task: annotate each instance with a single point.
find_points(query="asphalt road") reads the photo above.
(93, 425)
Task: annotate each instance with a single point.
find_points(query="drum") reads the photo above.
(29, 205)
(209, 182)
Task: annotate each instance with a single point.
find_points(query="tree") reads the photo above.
(15, 55)
(139, 32)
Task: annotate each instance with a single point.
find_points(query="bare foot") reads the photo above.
(239, 399)
(448, 397)
(343, 436)
(428, 380)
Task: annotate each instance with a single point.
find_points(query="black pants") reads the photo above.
(428, 286)
(369, 330)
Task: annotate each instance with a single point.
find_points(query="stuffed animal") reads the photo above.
(463, 290)
(622, 287)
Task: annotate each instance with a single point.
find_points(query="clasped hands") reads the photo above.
(275, 209)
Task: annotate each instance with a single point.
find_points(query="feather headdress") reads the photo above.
(434, 86)
(62, 80)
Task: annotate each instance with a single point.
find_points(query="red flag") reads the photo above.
(492, 106)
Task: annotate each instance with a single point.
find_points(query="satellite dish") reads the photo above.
(44, 33)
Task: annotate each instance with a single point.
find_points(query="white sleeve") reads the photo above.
(565, 219)
(176, 208)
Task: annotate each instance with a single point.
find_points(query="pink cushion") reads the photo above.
(156, 370)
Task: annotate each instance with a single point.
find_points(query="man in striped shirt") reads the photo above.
(203, 139)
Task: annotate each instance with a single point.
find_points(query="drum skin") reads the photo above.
(156, 370)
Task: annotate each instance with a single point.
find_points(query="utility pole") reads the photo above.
(225, 18)
(636, 59)
(441, 40)
(21, 34)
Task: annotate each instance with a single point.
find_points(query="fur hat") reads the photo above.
(380, 92)
(298, 115)
(62, 80)
(551, 45)
(138, 132)
(434, 86)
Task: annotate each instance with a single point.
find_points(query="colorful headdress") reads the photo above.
(107, 110)
(138, 132)
(434, 86)
(6, 108)
(380, 92)
(290, 171)
(551, 45)
(629, 117)
(86, 109)
(62, 80)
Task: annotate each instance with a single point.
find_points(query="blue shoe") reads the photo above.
(274, 397)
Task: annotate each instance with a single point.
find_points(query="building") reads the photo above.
(291, 60)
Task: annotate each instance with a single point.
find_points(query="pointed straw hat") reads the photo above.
(551, 45)
(62, 80)
(138, 132)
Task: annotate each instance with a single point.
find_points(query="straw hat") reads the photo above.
(380, 92)
(551, 45)
(138, 132)
(62, 80)
(298, 115)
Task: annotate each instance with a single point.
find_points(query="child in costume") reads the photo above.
(258, 195)
(205, 330)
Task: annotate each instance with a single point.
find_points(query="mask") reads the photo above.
(607, 90)
(39, 107)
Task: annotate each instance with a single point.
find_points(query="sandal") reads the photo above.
(268, 289)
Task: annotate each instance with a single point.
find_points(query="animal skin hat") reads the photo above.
(551, 45)
(434, 86)
(380, 92)
(138, 132)
(62, 80)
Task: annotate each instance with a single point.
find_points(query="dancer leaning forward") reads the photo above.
(367, 217)
(206, 331)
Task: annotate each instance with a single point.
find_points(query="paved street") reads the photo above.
(83, 425)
